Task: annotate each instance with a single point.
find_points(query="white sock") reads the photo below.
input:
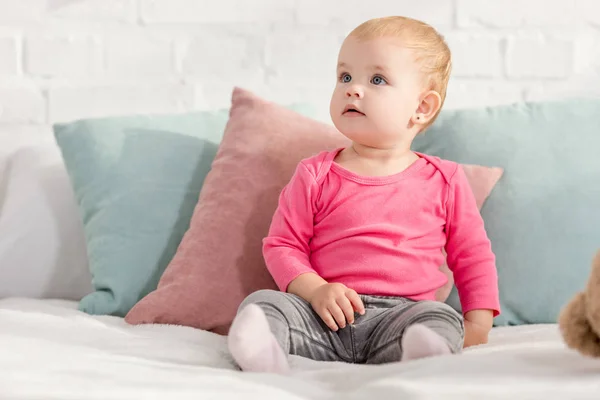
(253, 345)
(418, 341)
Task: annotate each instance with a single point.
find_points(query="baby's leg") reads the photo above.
(271, 324)
(252, 344)
(419, 341)
(417, 330)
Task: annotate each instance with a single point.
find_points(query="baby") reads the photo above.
(355, 245)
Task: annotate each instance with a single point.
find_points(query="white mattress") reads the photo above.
(48, 350)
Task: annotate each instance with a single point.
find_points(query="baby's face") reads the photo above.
(381, 81)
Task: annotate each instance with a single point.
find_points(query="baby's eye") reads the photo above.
(345, 77)
(378, 80)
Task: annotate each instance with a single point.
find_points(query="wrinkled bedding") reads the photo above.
(49, 350)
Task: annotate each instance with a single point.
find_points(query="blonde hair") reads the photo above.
(430, 48)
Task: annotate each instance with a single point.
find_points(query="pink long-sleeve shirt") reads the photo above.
(383, 235)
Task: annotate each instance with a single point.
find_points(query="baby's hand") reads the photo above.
(475, 334)
(478, 324)
(336, 304)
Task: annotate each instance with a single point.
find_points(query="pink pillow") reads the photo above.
(219, 261)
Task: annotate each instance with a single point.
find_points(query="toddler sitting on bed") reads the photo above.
(356, 242)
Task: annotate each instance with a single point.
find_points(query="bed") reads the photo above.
(50, 350)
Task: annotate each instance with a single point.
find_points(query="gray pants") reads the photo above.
(374, 338)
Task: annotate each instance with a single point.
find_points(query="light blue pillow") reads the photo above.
(543, 217)
(137, 180)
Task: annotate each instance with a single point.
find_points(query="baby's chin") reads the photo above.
(353, 127)
(368, 138)
(371, 137)
(353, 133)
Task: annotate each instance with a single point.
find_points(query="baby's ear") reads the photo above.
(428, 108)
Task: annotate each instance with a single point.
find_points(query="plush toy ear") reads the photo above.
(579, 321)
(575, 329)
(592, 297)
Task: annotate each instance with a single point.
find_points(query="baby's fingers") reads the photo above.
(347, 309)
(338, 315)
(328, 319)
(357, 303)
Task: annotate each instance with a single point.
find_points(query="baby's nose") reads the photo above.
(354, 91)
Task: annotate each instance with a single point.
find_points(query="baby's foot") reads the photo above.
(253, 345)
(418, 341)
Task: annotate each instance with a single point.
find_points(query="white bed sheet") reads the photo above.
(49, 350)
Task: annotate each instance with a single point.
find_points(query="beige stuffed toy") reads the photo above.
(579, 321)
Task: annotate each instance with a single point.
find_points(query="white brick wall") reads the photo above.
(217, 12)
(486, 45)
(517, 13)
(349, 13)
(22, 104)
(9, 55)
(539, 56)
(93, 10)
(68, 103)
(68, 59)
(61, 56)
(139, 55)
(226, 57)
(21, 11)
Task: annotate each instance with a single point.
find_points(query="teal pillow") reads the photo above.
(543, 217)
(137, 180)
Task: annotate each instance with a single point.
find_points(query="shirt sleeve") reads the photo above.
(468, 248)
(286, 249)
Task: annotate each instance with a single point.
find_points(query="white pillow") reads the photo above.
(42, 244)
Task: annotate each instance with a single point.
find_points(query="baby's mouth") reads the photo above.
(352, 111)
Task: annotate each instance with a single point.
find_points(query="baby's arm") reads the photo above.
(471, 260)
(286, 249)
(287, 254)
(305, 285)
